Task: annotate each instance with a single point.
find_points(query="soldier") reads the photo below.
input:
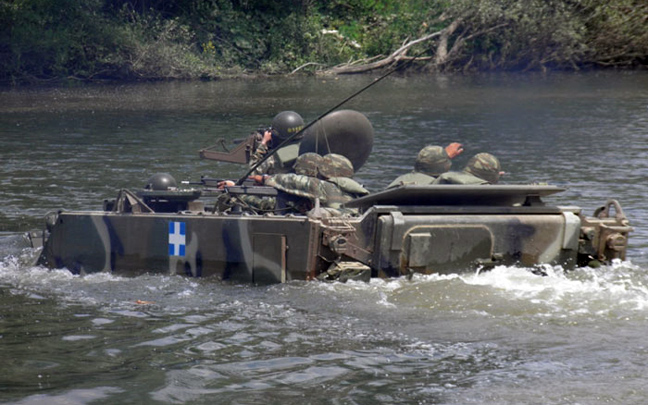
(284, 125)
(430, 163)
(483, 168)
(302, 188)
(325, 178)
(337, 169)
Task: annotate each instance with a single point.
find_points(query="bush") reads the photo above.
(186, 39)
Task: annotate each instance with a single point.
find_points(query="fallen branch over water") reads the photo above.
(396, 56)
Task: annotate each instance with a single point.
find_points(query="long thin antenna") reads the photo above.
(330, 110)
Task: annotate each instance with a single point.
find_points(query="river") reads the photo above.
(504, 336)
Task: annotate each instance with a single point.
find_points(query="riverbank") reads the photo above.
(139, 40)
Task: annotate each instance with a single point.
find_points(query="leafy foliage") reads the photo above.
(186, 39)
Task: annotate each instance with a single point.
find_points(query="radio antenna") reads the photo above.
(330, 110)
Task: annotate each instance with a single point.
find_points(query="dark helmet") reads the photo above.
(161, 181)
(286, 124)
(336, 165)
(432, 160)
(485, 166)
(308, 164)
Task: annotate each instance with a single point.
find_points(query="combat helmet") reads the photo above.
(336, 165)
(161, 182)
(432, 160)
(485, 166)
(308, 164)
(286, 124)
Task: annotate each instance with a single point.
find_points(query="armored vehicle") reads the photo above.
(166, 229)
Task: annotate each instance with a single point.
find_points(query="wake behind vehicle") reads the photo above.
(408, 229)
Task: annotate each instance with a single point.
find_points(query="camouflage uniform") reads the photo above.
(483, 168)
(337, 169)
(304, 187)
(281, 162)
(304, 190)
(256, 203)
(299, 190)
(308, 164)
(259, 204)
(285, 125)
(430, 163)
(336, 165)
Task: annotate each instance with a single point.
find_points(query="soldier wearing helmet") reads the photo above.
(483, 168)
(326, 179)
(284, 125)
(431, 162)
(299, 190)
(315, 177)
(337, 169)
(308, 164)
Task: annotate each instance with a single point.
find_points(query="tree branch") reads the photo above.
(394, 57)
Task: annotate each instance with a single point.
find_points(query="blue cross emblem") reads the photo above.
(177, 238)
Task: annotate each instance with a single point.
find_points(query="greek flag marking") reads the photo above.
(177, 238)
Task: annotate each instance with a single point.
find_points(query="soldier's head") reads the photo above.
(485, 166)
(432, 160)
(308, 164)
(286, 124)
(336, 165)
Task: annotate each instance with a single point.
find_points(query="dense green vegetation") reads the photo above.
(188, 39)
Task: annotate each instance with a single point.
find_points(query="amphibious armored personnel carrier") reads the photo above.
(400, 231)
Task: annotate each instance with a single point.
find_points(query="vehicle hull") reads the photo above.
(392, 235)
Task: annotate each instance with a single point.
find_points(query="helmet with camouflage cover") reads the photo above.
(308, 164)
(336, 165)
(432, 160)
(485, 166)
(286, 124)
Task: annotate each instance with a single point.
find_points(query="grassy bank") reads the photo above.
(52, 40)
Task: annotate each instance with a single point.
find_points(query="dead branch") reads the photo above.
(304, 65)
(394, 57)
(461, 40)
(442, 47)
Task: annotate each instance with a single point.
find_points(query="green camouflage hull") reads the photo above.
(411, 229)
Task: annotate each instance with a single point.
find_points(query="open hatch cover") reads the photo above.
(455, 194)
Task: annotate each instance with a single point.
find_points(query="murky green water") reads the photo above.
(505, 336)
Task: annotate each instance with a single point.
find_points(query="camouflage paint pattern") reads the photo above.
(485, 166)
(308, 164)
(239, 248)
(335, 165)
(281, 162)
(329, 194)
(432, 160)
(390, 240)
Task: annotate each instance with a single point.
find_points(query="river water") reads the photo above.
(505, 336)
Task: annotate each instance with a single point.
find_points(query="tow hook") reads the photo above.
(604, 236)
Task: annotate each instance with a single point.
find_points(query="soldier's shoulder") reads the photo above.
(412, 178)
(459, 178)
(349, 185)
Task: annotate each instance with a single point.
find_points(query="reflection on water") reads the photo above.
(499, 337)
